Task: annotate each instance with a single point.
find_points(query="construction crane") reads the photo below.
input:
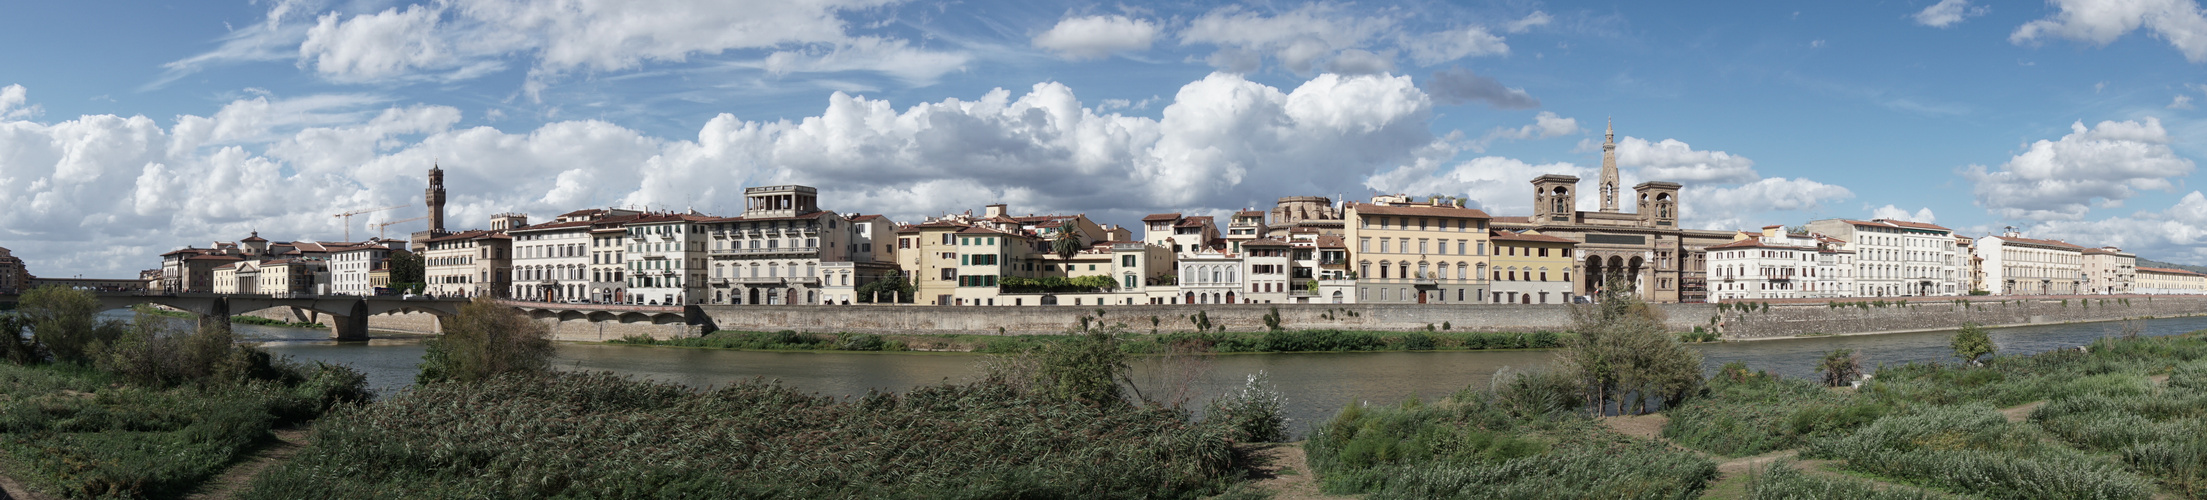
(349, 218)
(379, 227)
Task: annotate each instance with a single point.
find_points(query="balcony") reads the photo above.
(771, 280)
(764, 251)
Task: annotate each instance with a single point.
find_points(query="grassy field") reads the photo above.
(2122, 419)
(599, 436)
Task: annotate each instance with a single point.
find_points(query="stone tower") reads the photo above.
(1609, 168)
(435, 197)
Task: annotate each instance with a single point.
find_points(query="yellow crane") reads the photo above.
(379, 227)
(349, 218)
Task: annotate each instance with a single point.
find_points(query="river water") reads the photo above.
(1316, 384)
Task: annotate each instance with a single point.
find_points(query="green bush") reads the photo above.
(1256, 412)
(483, 341)
(65, 324)
(1748, 414)
(1971, 343)
(1417, 342)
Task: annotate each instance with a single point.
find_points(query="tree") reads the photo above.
(406, 272)
(15, 346)
(1840, 367)
(1068, 242)
(1621, 348)
(891, 288)
(65, 321)
(483, 341)
(1971, 343)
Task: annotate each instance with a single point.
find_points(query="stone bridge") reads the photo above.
(349, 314)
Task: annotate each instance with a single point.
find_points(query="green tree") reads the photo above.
(1971, 343)
(406, 272)
(1840, 367)
(65, 322)
(891, 288)
(1067, 243)
(15, 345)
(483, 341)
(1621, 348)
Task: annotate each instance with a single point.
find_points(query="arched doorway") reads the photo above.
(754, 296)
(1191, 298)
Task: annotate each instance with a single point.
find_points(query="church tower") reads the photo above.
(1609, 168)
(435, 197)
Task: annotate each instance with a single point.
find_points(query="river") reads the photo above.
(1316, 384)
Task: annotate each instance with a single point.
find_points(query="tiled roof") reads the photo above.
(865, 217)
(554, 225)
(1249, 213)
(1161, 217)
(1194, 221)
(1264, 242)
(1916, 225)
(1536, 238)
(2163, 270)
(1331, 241)
(2031, 241)
(1513, 220)
(217, 257)
(1428, 211)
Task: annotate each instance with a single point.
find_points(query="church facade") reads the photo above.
(1643, 249)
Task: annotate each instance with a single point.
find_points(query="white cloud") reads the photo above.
(1537, 18)
(1546, 125)
(1436, 48)
(1715, 207)
(1097, 37)
(2099, 22)
(2177, 234)
(12, 99)
(1948, 12)
(281, 165)
(1675, 161)
(1458, 86)
(2181, 102)
(275, 38)
(1496, 184)
(461, 39)
(1923, 215)
(1334, 38)
(2063, 179)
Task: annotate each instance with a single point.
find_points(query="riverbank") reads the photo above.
(1279, 341)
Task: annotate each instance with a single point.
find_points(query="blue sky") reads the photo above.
(128, 129)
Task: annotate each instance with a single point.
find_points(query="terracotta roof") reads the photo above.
(1513, 220)
(2030, 241)
(463, 235)
(554, 225)
(1264, 242)
(2097, 251)
(660, 218)
(1249, 213)
(1161, 217)
(1194, 221)
(232, 265)
(1535, 238)
(583, 212)
(1331, 241)
(1428, 211)
(937, 224)
(1917, 225)
(216, 257)
(983, 230)
(865, 217)
(2164, 270)
(255, 238)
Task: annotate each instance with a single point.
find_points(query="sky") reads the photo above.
(128, 129)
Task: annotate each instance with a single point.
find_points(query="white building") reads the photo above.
(2109, 270)
(1899, 258)
(1211, 276)
(2015, 265)
(772, 253)
(552, 261)
(350, 267)
(666, 259)
(1265, 264)
(1774, 265)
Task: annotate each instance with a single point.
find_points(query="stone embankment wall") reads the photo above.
(1017, 320)
(405, 322)
(1800, 317)
(600, 331)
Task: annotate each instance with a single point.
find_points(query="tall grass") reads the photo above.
(1973, 448)
(599, 436)
(1754, 413)
(1781, 481)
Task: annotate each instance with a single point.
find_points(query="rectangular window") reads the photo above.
(1126, 261)
(1364, 245)
(1482, 248)
(1383, 245)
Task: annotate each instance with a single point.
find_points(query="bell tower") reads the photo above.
(1609, 168)
(435, 197)
(1555, 199)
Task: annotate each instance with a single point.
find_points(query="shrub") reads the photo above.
(63, 321)
(1840, 367)
(1417, 342)
(1973, 448)
(1256, 412)
(1971, 343)
(483, 341)
(1624, 355)
(15, 346)
(1471, 445)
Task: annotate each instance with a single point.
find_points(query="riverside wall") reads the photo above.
(1801, 317)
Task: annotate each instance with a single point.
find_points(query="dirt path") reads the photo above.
(11, 490)
(227, 485)
(2023, 412)
(1283, 470)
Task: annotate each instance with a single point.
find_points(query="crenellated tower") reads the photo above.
(435, 197)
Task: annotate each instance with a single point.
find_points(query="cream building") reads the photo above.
(609, 259)
(772, 253)
(2163, 281)
(350, 267)
(667, 259)
(1896, 258)
(2015, 265)
(477, 263)
(1531, 268)
(1266, 263)
(1645, 249)
(1775, 264)
(552, 261)
(1417, 253)
(292, 277)
(2109, 271)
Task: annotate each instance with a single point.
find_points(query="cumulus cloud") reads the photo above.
(460, 39)
(1734, 207)
(2181, 23)
(2176, 234)
(1497, 184)
(1889, 211)
(12, 103)
(2063, 179)
(1459, 86)
(1334, 38)
(1546, 125)
(1676, 161)
(1948, 12)
(1097, 37)
(281, 165)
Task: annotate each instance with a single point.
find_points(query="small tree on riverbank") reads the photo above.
(1840, 367)
(65, 322)
(486, 339)
(1622, 350)
(1971, 343)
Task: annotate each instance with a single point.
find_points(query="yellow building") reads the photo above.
(1531, 268)
(2163, 281)
(1405, 252)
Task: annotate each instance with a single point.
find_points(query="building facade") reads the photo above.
(666, 259)
(2164, 281)
(1644, 251)
(772, 253)
(350, 267)
(2015, 265)
(1776, 264)
(553, 261)
(1531, 268)
(1896, 258)
(1418, 253)
(2109, 270)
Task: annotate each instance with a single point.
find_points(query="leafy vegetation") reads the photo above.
(1623, 357)
(1220, 342)
(1971, 343)
(484, 341)
(1751, 413)
(1255, 413)
(1782, 481)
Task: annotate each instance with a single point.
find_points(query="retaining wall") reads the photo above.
(600, 331)
(1785, 318)
(405, 322)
